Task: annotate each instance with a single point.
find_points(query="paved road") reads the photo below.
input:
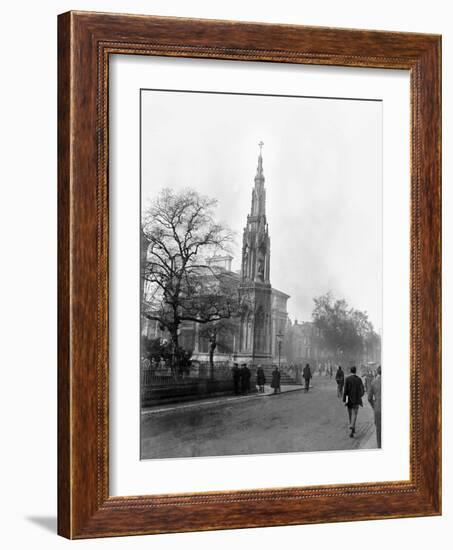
(288, 422)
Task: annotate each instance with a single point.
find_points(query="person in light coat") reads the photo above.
(374, 397)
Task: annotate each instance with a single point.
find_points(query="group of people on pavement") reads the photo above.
(241, 378)
(351, 389)
(276, 377)
(322, 369)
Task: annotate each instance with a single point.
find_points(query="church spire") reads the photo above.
(259, 193)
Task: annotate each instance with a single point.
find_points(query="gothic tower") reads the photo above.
(255, 287)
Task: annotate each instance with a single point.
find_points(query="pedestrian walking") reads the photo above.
(307, 377)
(352, 397)
(260, 379)
(236, 378)
(276, 380)
(339, 377)
(374, 397)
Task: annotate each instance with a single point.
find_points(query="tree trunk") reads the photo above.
(212, 348)
(175, 345)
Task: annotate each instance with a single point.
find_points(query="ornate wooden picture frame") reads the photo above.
(85, 42)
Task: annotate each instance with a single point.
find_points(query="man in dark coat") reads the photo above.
(352, 396)
(236, 377)
(307, 377)
(339, 378)
(245, 378)
(276, 380)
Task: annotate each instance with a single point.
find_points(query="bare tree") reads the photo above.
(179, 285)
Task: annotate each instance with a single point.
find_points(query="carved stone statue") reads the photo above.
(261, 268)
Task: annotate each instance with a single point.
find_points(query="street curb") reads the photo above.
(271, 394)
(200, 402)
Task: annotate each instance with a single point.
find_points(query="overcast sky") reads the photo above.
(322, 163)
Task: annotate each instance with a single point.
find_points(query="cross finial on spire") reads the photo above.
(259, 170)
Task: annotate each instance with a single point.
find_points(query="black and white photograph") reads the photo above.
(261, 273)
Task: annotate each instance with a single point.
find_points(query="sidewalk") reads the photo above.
(369, 436)
(268, 392)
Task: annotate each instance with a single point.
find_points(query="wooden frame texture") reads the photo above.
(85, 42)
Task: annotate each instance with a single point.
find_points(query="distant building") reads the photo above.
(304, 343)
(220, 262)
